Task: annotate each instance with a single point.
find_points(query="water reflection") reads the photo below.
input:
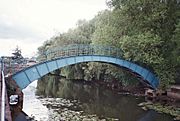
(32, 106)
(151, 115)
(104, 103)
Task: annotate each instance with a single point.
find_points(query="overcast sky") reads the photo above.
(28, 23)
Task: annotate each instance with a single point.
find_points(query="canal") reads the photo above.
(86, 102)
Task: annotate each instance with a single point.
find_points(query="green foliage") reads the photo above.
(176, 41)
(73, 71)
(143, 48)
(149, 27)
(176, 52)
(148, 32)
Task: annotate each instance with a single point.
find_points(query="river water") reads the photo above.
(33, 106)
(87, 102)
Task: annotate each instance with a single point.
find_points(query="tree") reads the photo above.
(146, 30)
(17, 53)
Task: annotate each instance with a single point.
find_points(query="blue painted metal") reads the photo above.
(24, 77)
(77, 53)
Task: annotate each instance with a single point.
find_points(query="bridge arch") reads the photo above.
(24, 77)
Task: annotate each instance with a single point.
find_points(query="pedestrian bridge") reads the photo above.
(73, 54)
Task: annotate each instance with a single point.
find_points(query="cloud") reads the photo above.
(11, 30)
(28, 47)
(27, 23)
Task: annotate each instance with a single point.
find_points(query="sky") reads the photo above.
(28, 23)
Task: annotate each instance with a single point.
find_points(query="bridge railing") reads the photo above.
(65, 51)
(81, 49)
(3, 89)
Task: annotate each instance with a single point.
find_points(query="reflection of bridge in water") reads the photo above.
(73, 54)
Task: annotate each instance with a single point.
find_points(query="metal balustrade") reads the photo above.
(81, 49)
(3, 87)
(56, 58)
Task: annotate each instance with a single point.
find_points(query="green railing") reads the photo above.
(81, 49)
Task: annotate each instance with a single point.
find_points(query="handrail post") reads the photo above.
(3, 92)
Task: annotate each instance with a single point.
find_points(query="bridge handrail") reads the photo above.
(81, 49)
(72, 54)
(3, 94)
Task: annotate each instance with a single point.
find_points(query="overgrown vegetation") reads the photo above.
(148, 31)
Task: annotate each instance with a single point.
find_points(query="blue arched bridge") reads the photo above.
(73, 54)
